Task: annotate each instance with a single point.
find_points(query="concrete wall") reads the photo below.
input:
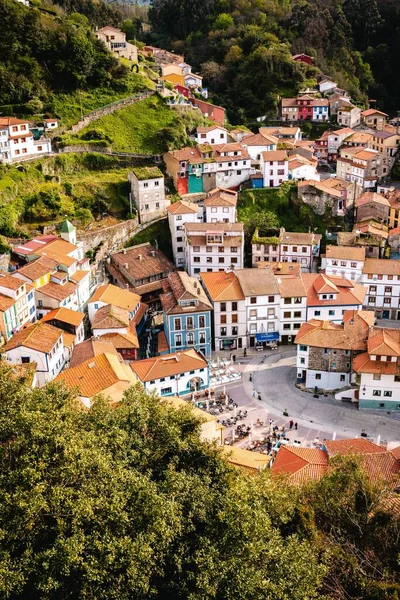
(108, 236)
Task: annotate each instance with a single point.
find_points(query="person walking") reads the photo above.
(245, 352)
(295, 426)
(290, 424)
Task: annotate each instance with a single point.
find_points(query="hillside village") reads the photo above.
(177, 327)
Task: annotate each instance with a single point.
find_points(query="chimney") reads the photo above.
(124, 251)
(140, 256)
(153, 252)
(126, 266)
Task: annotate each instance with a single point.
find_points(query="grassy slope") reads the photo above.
(158, 231)
(87, 178)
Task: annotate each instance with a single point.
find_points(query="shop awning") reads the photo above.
(272, 336)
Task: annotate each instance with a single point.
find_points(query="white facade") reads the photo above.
(326, 86)
(177, 384)
(275, 171)
(49, 364)
(213, 249)
(262, 314)
(376, 388)
(348, 268)
(326, 380)
(46, 302)
(335, 139)
(211, 135)
(115, 40)
(383, 292)
(220, 214)
(176, 221)
(333, 313)
(24, 300)
(231, 174)
(148, 194)
(292, 314)
(303, 172)
(256, 151)
(17, 143)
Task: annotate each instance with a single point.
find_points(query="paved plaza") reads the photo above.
(273, 375)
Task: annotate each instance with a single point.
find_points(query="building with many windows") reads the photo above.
(328, 297)
(186, 314)
(285, 246)
(381, 278)
(148, 193)
(179, 213)
(213, 246)
(344, 261)
(17, 141)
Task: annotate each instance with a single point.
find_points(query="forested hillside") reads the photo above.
(244, 48)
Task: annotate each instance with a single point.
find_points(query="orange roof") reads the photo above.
(39, 336)
(66, 315)
(57, 291)
(291, 287)
(274, 155)
(211, 128)
(300, 464)
(281, 269)
(246, 459)
(111, 294)
(384, 342)
(352, 446)
(111, 317)
(381, 266)
(10, 282)
(6, 302)
(348, 293)
(222, 286)
(372, 111)
(162, 345)
(182, 207)
(7, 121)
(168, 365)
(97, 374)
(352, 335)
(91, 347)
(345, 253)
(362, 363)
(368, 197)
(79, 275)
(121, 340)
(38, 268)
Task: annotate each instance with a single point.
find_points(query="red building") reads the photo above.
(304, 58)
(305, 108)
(212, 112)
(182, 90)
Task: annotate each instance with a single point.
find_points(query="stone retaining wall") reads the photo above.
(108, 237)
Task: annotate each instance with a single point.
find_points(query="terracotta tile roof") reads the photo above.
(372, 111)
(56, 291)
(368, 197)
(143, 261)
(168, 364)
(211, 128)
(366, 155)
(320, 186)
(343, 131)
(38, 268)
(97, 374)
(279, 130)
(384, 342)
(257, 282)
(240, 457)
(10, 282)
(111, 317)
(258, 139)
(111, 294)
(282, 269)
(359, 137)
(66, 315)
(363, 364)
(221, 197)
(79, 275)
(7, 121)
(198, 240)
(6, 302)
(213, 227)
(90, 348)
(181, 287)
(39, 336)
(302, 239)
(300, 464)
(396, 452)
(291, 287)
(187, 154)
(274, 155)
(140, 313)
(353, 446)
(381, 266)
(183, 207)
(162, 344)
(348, 293)
(222, 286)
(120, 340)
(325, 334)
(58, 246)
(68, 339)
(345, 253)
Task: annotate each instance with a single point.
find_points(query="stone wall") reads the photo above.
(318, 200)
(319, 361)
(108, 238)
(4, 262)
(110, 108)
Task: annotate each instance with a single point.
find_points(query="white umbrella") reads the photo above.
(207, 404)
(235, 410)
(224, 389)
(226, 399)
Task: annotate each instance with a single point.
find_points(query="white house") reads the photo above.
(23, 296)
(258, 143)
(213, 246)
(286, 246)
(381, 277)
(115, 296)
(328, 297)
(17, 143)
(115, 40)
(230, 313)
(274, 167)
(293, 306)
(70, 321)
(326, 85)
(220, 206)
(39, 343)
(301, 169)
(346, 261)
(148, 193)
(377, 371)
(212, 135)
(173, 374)
(179, 213)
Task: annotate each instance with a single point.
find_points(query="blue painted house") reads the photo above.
(187, 314)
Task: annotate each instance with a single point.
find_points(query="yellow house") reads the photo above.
(37, 273)
(174, 78)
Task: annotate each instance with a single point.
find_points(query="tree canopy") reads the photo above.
(129, 503)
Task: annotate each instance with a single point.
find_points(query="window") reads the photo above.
(331, 313)
(285, 248)
(223, 306)
(387, 394)
(234, 306)
(372, 289)
(333, 365)
(297, 314)
(294, 248)
(287, 315)
(253, 300)
(208, 248)
(223, 331)
(166, 391)
(234, 249)
(234, 318)
(253, 314)
(223, 319)
(145, 184)
(179, 217)
(317, 313)
(371, 300)
(271, 313)
(202, 321)
(190, 339)
(318, 376)
(177, 324)
(303, 348)
(196, 248)
(156, 183)
(326, 351)
(213, 210)
(388, 289)
(189, 323)
(179, 249)
(286, 326)
(196, 259)
(343, 378)
(304, 249)
(376, 392)
(287, 301)
(221, 260)
(271, 298)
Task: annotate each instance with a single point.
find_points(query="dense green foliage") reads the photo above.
(157, 233)
(41, 53)
(128, 503)
(77, 186)
(147, 127)
(244, 48)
